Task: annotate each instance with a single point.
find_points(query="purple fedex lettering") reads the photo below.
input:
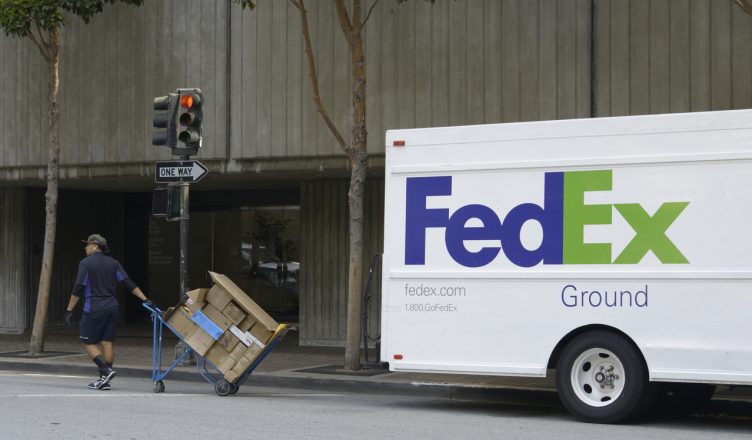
(419, 218)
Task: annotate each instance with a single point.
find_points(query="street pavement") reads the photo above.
(54, 406)
(288, 365)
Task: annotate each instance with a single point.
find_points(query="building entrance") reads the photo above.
(257, 248)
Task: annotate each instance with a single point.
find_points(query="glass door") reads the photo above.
(257, 248)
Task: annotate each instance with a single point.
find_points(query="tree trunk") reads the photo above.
(359, 160)
(45, 278)
(358, 155)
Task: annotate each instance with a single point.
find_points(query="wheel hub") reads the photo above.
(597, 377)
(606, 376)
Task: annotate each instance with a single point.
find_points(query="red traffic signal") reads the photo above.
(190, 116)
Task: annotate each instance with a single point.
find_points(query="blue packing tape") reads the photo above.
(207, 324)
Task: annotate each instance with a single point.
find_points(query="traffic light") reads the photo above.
(167, 202)
(165, 111)
(189, 118)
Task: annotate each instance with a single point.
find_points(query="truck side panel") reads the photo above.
(500, 240)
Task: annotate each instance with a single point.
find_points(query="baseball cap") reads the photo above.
(96, 239)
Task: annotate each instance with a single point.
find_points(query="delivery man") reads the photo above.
(96, 282)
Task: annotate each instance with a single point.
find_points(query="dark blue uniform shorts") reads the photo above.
(98, 326)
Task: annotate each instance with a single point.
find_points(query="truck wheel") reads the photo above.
(602, 378)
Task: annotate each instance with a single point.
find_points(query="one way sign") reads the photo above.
(179, 171)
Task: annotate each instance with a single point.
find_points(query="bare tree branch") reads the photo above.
(368, 15)
(745, 5)
(312, 74)
(357, 23)
(344, 20)
(39, 41)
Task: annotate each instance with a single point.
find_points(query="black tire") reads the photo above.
(222, 388)
(602, 378)
(234, 388)
(159, 386)
(674, 399)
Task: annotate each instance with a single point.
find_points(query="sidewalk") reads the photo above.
(288, 365)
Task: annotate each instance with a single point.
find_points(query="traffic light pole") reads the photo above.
(180, 115)
(184, 229)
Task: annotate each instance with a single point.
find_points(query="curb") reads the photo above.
(452, 391)
(364, 385)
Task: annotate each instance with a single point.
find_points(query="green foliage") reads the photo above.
(249, 4)
(17, 16)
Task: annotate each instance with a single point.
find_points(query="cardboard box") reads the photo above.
(217, 317)
(245, 337)
(224, 291)
(238, 352)
(231, 376)
(218, 296)
(253, 352)
(228, 341)
(246, 324)
(200, 341)
(196, 299)
(220, 358)
(234, 313)
(249, 356)
(260, 333)
(217, 355)
(242, 365)
(180, 321)
(227, 365)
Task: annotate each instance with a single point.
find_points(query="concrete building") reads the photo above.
(276, 195)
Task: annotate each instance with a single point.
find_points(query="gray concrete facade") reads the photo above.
(450, 63)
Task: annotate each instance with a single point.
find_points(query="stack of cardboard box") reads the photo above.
(223, 325)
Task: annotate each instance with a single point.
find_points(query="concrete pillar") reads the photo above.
(13, 252)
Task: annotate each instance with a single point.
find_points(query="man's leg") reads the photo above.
(92, 327)
(107, 337)
(108, 351)
(93, 350)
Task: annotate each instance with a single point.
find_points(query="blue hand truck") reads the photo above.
(221, 386)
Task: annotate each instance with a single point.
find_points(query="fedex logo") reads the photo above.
(562, 217)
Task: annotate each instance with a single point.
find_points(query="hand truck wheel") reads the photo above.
(159, 386)
(222, 388)
(234, 388)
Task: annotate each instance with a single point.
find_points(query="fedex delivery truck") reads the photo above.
(616, 250)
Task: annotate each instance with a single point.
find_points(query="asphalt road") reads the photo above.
(46, 406)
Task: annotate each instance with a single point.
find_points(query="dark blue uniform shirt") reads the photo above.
(97, 279)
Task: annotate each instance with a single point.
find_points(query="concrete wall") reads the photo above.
(324, 257)
(110, 72)
(427, 65)
(13, 251)
(80, 213)
(659, 56)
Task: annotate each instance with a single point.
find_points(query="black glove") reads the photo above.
(68, 318)
(149, 304)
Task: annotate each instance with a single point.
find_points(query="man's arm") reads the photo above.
(139, 294)
(72, 303)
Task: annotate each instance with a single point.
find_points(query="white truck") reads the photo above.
(616, 250)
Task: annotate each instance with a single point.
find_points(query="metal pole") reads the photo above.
(181, 346)
(184, 229)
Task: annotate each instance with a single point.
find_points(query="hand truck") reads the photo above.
(221, 386)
